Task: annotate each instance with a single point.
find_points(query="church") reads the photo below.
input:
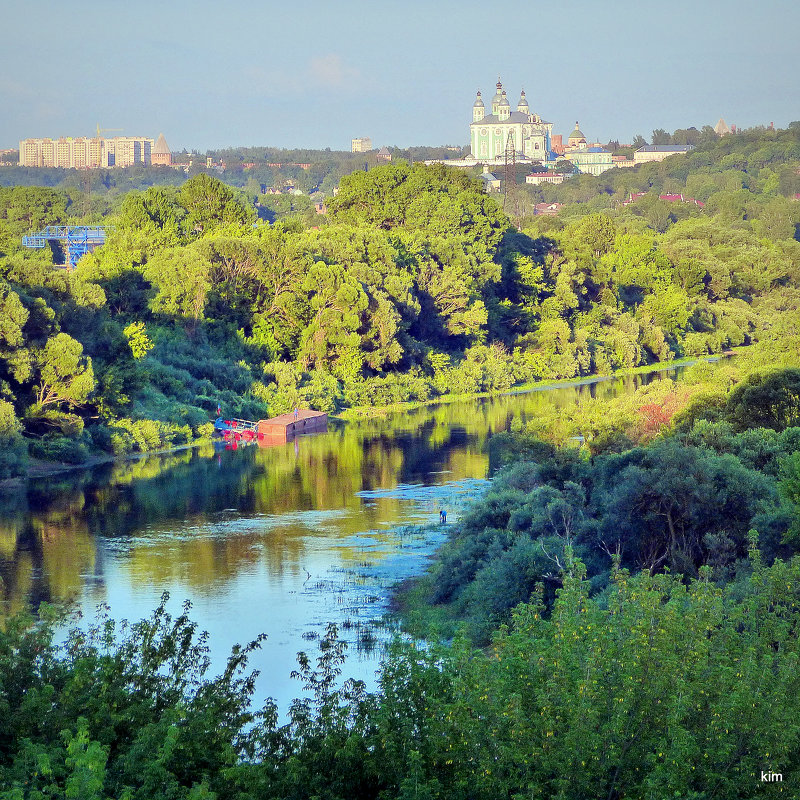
(522, 129)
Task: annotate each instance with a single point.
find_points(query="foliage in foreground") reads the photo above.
(664, 689)
(671, 477)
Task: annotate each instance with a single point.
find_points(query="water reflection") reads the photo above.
(280, 539)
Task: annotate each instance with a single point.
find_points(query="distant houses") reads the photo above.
(670, 198)
(658, 152)
(547, 208)
(553, 178)
(491, 182)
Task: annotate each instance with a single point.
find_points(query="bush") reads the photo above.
(192, 416)
(172, 382)
(57, 448)
(205, 431)
(50, 421)
(770, 400)
(385, 391)
(13, 450)
(13, 457)
(100, 436)
(203, 363)
(144, 435)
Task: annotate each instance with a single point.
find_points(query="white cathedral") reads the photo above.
(522, 130)
(525, 134)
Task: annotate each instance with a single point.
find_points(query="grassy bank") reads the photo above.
(360, 412)
(38, 468)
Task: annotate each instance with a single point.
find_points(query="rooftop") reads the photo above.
(514, 116)
(665, 148)
(160, 147)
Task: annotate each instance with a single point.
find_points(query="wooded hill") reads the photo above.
(416, 284)
(639, 596)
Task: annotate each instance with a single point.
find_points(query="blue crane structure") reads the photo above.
(79, 239)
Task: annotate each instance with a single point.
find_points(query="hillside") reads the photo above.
(416, 285)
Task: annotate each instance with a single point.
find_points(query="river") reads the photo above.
(279, 539)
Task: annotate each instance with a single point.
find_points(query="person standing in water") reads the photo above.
(443, 517)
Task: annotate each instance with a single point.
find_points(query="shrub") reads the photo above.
(385, 391)
(58, 448)
(205, 431)
(192, 416)
(144, 435)
(766, 400)
(13, 450)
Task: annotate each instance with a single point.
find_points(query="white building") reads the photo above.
(522, 130)
(658, 152)
(361, 145)
(537, 178)
(84, 152)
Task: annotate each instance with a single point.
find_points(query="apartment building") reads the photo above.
(85, 153)
(361, 145)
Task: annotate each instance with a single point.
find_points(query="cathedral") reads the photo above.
(522, 129)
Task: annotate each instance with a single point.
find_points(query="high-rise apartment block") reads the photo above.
(361, 145)
(83, 152)
(125, 151)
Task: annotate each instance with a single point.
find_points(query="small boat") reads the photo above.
(236, 430)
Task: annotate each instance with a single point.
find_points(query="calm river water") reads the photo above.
(278, 540)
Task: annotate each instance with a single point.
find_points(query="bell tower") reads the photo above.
(478, 109)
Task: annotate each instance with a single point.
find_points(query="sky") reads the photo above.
(315, 74)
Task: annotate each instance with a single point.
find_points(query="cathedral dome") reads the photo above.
(577, 134)
(503, 99)
(478, 102)
(498, 95)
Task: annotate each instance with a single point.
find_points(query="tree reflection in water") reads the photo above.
(248, 534)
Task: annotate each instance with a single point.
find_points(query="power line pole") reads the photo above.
(510, 170)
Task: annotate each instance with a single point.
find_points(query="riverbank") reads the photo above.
(37, 468)
(42, 469)
(411, 607)
(362, 412)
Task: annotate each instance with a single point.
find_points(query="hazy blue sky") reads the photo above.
(315, 74)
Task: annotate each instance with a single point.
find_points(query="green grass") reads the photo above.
(416, 615)
(360, 412)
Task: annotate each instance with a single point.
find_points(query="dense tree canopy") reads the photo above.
(415, 284)
(637, 636)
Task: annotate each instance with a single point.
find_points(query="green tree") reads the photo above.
(565, 166)
(13, 450)
(63, 374)
(790, 489)
(660, 136)
(209, 203)
(182, 278)
(15, 358)
(678, 507)
(332, 336)
(138, 340)
(668, 308)
(766, 400)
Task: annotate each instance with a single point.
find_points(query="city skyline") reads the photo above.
(212, 77)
